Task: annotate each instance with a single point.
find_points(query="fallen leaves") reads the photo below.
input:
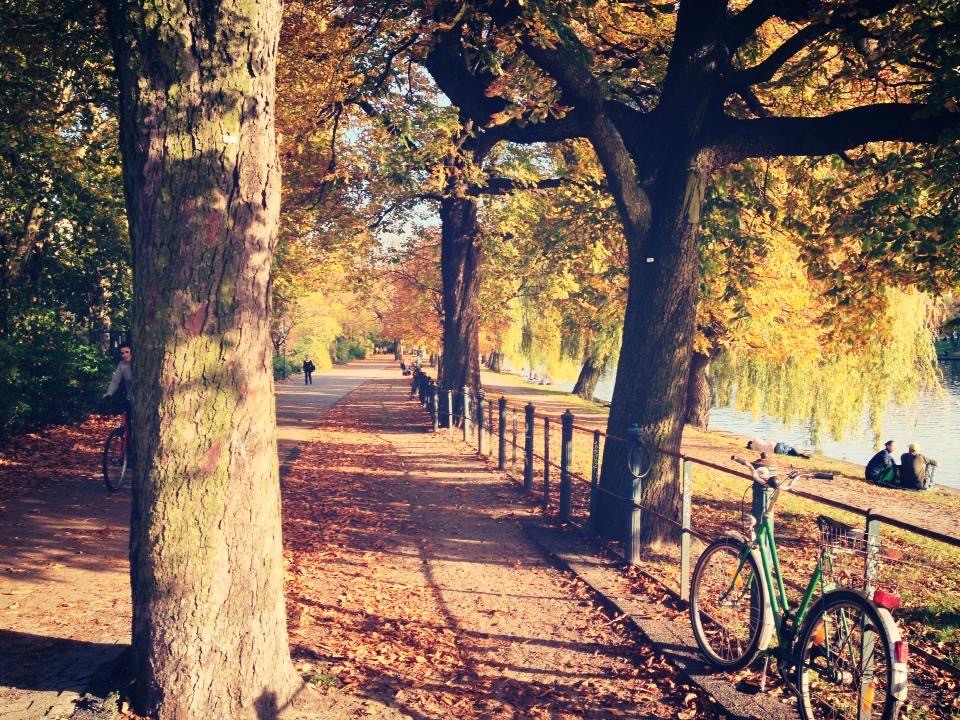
(368, 542)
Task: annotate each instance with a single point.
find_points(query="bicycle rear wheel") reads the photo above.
(727, 604)
(846, 660)
(114, 460)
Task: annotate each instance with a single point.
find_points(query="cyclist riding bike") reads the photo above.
(121, 386)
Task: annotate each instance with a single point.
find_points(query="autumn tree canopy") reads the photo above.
(670, 95)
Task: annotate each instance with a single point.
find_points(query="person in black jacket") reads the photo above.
(308, 368)
(882, 468)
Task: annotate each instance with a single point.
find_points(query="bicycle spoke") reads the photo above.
(845, 671)
(727, 605)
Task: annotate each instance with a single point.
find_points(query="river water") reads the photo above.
(931, 423)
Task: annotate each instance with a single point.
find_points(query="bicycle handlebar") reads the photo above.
(772, 480)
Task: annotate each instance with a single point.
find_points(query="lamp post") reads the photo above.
(283, 346)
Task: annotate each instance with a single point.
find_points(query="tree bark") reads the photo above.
(699, 397)
(590, 374)
(652, 372)
(496, 361)
(202, 188)
(459, 269)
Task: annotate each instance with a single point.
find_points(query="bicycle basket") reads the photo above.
(850, 556)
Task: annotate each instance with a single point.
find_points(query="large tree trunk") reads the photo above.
(590, 374)
(202, 185)
(699, 396)
(459, 268)
(652, 372)
(496, 361)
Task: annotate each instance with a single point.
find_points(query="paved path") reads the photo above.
(299, 406)
(64, 572)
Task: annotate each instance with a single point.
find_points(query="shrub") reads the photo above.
(293, 366)
(48, 376)
(346, 350)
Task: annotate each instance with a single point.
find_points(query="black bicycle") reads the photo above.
(116, 461)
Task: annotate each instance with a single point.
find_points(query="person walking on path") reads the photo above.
(916, 470)
(882, 468)
(308, 368)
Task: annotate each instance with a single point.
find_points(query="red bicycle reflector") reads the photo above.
(901, 651)
(888, 600)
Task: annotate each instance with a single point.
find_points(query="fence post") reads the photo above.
(685, 531)
(450, 410)
(566, 460)
(594, 481)
(873, 551)
(528, 449)
(466, 414)
(435, 405)
(631, 543)
(868, 640)
(546, 463)
(502, 434)
(513, 461)
(490, 428)
(481, 435)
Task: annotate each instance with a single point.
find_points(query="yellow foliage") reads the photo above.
(835, 389)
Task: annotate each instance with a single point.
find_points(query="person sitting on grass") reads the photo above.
(780, 448)
(882, 469)
(916, 470)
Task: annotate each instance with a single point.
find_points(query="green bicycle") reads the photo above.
(841, 653)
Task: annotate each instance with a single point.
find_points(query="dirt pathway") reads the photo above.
(64, 585)
(414, 588)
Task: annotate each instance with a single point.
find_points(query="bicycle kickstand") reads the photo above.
(763, 678)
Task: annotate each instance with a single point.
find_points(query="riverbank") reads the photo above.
(937, 509)
(930, 591)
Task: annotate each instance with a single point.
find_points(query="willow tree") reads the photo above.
(815, 323)
(555, 257)
(702, 87)
(202, 192)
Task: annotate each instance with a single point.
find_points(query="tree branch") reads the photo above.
(505, 185)
(765, 70)
(468, 90)
(733, 140)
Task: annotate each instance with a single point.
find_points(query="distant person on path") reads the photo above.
(780, 448)
(882, 469)
(308, 368)
(916, 470)
(121, 389)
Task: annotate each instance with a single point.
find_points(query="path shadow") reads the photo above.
(444, 507)
(74, 524)
(36, 662)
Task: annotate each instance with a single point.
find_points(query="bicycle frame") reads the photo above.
(786, 621)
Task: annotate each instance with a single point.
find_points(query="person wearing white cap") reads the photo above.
(916, 470)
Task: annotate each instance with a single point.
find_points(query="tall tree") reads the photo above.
(702, 88)
(202, 191)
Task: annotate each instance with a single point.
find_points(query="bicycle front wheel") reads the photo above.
(114, 460)
(727, 604)
(846, 661)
